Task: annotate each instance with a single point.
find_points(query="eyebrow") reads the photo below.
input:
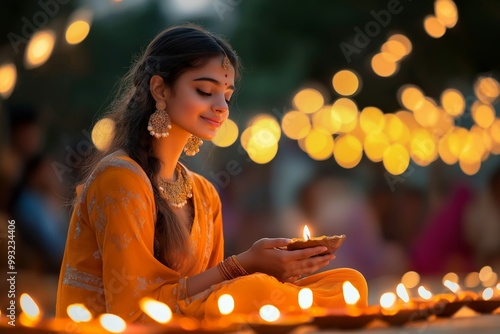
(212, 81)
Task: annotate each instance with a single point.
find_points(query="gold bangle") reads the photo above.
(230, 268)
(223, 271)
(242, 270)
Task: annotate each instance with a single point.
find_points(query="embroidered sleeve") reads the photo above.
(123, 221)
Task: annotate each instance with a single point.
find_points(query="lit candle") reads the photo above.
(403, 293)
(269, 313)
(271, 320)
(225, 304)
(158, 311)
(31, 314)
(305, 298)
(351, 298)
(452, 286)
(78, 313)
(388, 303)
(306, 234)
(112, 323)
(487, 294)
(424, 293)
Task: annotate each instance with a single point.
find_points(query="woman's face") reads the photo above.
(198, 102)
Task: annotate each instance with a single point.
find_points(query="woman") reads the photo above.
(143, 225)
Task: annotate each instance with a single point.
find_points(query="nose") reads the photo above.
(220, 107)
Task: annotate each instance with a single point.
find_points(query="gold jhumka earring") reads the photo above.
(192, 145)
(159, 121)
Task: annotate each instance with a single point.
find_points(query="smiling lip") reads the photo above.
(212, 121)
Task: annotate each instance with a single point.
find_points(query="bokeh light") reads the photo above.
(308, 100)
(78, 26)
(444, 124)
(319, 145)
(433, 27)
(8, 78)
(395, 48)
(410, 97)
(344, 111)
(348, 151)
(396, 159)
(395, 129)
(77, 32)
(103, 133)
(346, 82)
(375, 145)
(324, 121)
(495, 131)
(408, 120)
(446, 12)
(451, 276)
(403, 40)
(487, 89)
(445, 153)
(384, 64)
(296, 124)
(472, 280)
(423, 149)
(39, 48)
(372, 120)
(483, 114)
(259, 153)
(410, 279)
(227, 135)
(453, 102)
(427, 114)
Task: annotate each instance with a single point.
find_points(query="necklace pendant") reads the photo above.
(178, 191)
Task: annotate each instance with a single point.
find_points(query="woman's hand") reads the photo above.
(266, 256)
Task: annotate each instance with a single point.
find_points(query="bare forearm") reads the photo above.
(206, 279)
(203, 281)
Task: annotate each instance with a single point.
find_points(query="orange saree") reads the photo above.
(109, 264)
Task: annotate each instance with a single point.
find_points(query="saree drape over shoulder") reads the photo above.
(109, 264)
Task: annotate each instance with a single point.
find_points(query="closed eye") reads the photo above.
(202, 93)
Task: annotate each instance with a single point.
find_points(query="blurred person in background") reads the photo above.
(482, 224)
(441, 245)
(31, 194)
(24, 141)
(38, 208)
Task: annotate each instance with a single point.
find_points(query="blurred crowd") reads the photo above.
(447, 224)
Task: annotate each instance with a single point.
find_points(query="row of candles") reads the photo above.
(81, 320)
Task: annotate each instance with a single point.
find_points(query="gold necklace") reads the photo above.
(178, 191)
